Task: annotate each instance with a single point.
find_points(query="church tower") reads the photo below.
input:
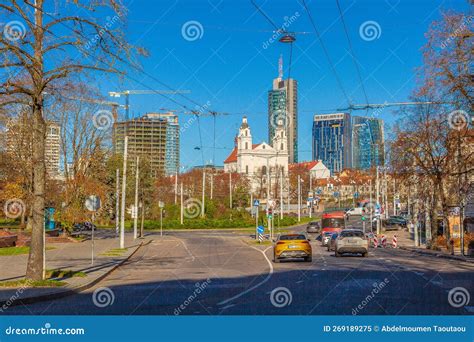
(280, 141)
(244, 139)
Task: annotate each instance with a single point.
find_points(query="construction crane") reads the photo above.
(127, 94)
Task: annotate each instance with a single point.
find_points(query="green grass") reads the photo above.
(28, 283)
(6, 251)
(114, 252)
(14, 250)
(58, 273)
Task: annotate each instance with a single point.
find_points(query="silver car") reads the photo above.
(325, 238)
(352, 241)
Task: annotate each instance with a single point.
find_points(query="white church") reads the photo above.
(259, 161)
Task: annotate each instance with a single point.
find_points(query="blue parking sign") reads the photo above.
(260, 229)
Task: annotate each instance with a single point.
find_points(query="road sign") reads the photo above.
(161, 204)
(271, 204)
(356, 194)
(260, 229)
(93, 203)
(134, 212)
(336, 194)
(256, 203)
(319, 191)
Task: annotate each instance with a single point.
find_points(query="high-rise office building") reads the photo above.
(332, 140)
(19, 139)
(283, 105)
(154, 136)
(52, 149)
(367, 142)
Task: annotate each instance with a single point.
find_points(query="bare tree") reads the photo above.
(37, 50)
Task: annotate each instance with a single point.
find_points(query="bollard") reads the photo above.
(384, 241)
(376, 241)
(394, 242)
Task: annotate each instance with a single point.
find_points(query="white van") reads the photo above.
(359, 211)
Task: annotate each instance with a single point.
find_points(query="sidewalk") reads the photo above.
(74, 256)
(406, 243)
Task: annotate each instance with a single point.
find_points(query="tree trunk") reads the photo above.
(34, 269)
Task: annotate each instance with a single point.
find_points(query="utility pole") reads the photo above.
(370, 201)
(135, 207)
(385, 193)
(394, 203)
(203, 191)
(415, 216)
(230, 190)
(377, 196)
(142, 234)
(182, 205)
(117, 202)
(281, 194)
(124, 190)
(299, 198)
(176, 188)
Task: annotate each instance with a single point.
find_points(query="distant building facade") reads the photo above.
(19, 139)
(283, 105)
(332, 135)
(52, 149)
(367, 143)
(155, 136)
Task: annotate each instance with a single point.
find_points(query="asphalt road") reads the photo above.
(201, 273)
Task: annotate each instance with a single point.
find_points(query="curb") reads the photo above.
(70, 291)
(438, 255)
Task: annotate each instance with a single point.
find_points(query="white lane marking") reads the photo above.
(469, 308)
(186, 248)
(299, 282)
(267, 278)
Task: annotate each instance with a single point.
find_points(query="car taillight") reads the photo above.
(281, 243)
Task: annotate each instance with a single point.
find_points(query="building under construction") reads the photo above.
(154, 136)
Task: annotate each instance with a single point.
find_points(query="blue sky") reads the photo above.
(228, 67)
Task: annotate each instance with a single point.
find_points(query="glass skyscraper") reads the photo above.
(332, 135)
(367, 142)
(283, 105)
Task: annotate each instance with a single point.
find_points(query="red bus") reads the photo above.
(332, 221)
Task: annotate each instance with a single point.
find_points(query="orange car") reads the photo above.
(289, 246)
